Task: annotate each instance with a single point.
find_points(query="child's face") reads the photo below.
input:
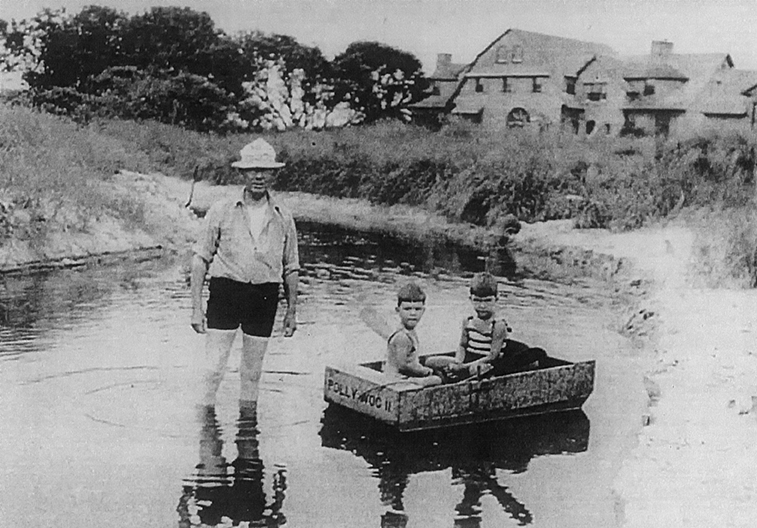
(410, 313)
(484, 306)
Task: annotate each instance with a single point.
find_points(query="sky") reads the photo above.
(465, 27)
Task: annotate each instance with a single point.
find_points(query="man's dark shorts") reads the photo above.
(232, 303)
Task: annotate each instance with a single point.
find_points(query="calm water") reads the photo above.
(98, 371)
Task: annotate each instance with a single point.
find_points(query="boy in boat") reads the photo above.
(485, 336)
(402, 346)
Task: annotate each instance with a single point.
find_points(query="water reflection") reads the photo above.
(325, 246)
(219, 493)
(473, 453)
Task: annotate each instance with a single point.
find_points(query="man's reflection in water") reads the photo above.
(473, 453)
(479, 480)
(229, 494)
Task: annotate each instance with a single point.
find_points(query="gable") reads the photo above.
(523, 51)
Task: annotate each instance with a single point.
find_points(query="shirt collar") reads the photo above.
(270, 199)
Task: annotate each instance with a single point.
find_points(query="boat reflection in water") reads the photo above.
(473, 453)
(219, 492)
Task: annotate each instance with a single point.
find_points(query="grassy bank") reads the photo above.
(56, 175)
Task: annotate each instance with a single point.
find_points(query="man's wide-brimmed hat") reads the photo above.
(257, 155)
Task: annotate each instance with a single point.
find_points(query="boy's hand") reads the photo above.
(456, 367)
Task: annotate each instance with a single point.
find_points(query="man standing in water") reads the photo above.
(248, 246)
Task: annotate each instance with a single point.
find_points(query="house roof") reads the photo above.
(448, 72)
(557, 55)
(725, 93)
(431, 102)
(657, 71)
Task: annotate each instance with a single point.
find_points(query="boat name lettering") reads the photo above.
(367, 397)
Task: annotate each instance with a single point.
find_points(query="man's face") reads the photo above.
(410, 313)
(257, 181)
(484, 305)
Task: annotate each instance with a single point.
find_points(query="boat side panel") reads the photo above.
(532, 392)
(362, 392)
(523, 390)
(441, 402)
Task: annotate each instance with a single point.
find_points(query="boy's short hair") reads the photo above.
(411, 292)
(483, 285)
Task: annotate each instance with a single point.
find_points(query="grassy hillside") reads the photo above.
(54, 175)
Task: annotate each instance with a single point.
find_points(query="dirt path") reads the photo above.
(695, 464)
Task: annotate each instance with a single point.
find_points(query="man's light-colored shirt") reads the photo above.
(235, 253)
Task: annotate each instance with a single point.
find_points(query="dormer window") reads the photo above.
(506, 86)
(479, 86)
(517, 53)
(503, 55)
(595, 91)
(435, 90)
(570, 85)
(536, 86)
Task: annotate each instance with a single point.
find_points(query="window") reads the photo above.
(570, 86)
(506, 86)
(517, 53)
(503, 54)
(435, 90)
(517, 118)
(479, 86)
(596, 91)
(536, 87)
(648, 88)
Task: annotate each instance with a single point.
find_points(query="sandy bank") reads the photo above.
(695, 464)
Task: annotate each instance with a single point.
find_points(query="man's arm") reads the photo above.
(197, 280)
(291, 263)
(291, 282)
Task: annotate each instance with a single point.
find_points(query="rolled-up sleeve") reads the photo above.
(291, 257)
(207, 243)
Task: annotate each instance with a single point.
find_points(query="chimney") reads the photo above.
(443, 62)
(661, 51)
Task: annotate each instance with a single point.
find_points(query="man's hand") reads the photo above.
(198, 321)
(290, 322)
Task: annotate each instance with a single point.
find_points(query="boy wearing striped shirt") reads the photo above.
(486, 333)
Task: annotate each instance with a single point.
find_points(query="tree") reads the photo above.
(378, 80)
(174, 39)
(287, 84)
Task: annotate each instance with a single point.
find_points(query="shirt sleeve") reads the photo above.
(291, 257)
(207, 244)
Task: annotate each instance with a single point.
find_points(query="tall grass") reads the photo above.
(50, 167)
(53, 176)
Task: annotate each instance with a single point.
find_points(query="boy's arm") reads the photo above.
(463, 345)
(499, 336)
(401, 349)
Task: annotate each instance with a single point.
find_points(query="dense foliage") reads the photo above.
(102, 62)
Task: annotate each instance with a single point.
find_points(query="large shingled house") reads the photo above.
(527, 79)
